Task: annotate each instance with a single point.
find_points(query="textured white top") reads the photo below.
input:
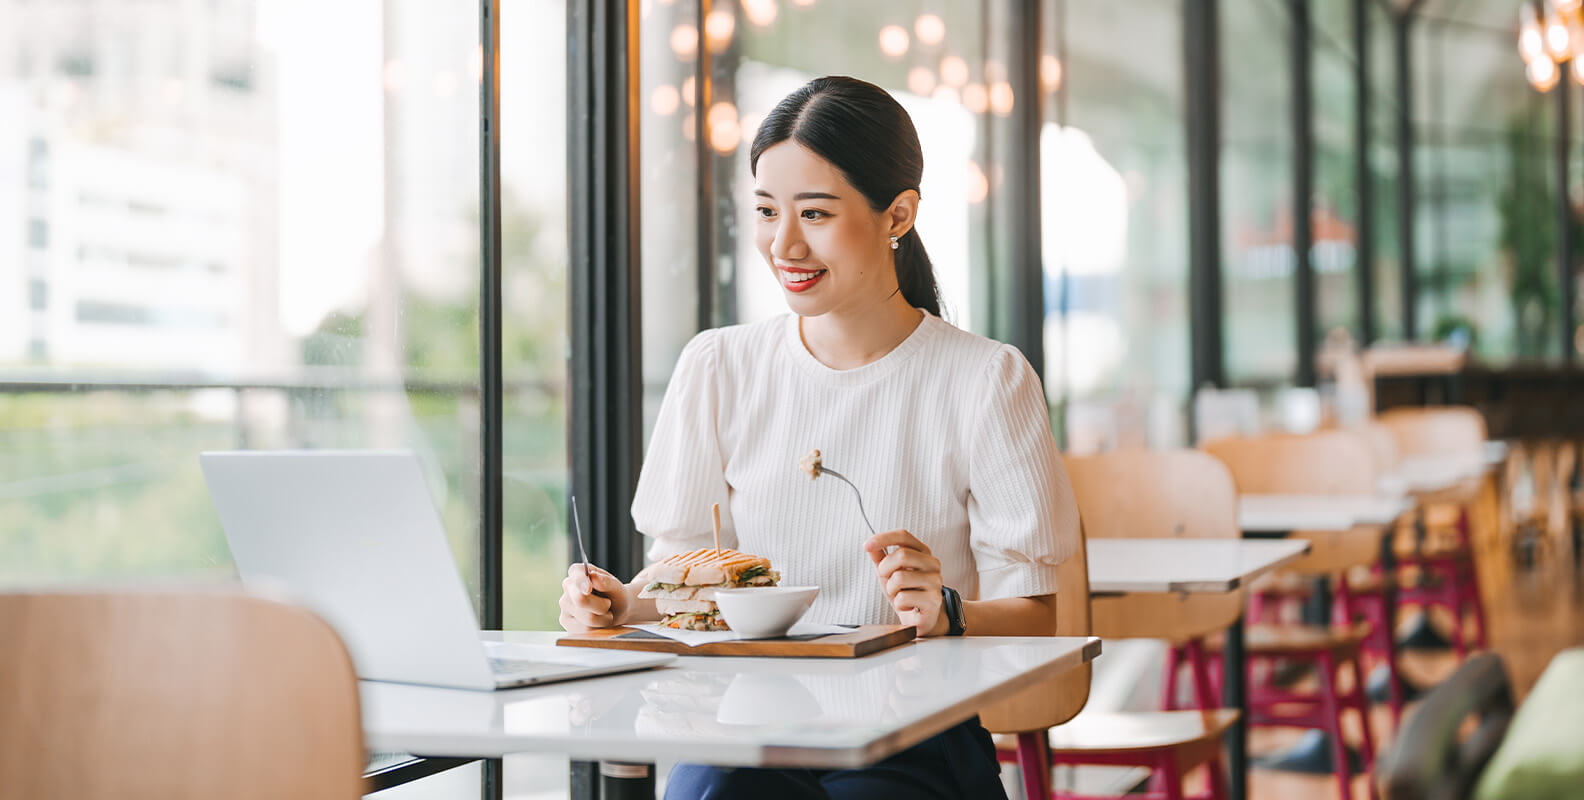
(946, 435)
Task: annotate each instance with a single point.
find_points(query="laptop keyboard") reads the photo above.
(523, 666)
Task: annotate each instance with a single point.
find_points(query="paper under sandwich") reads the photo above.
(683, 586)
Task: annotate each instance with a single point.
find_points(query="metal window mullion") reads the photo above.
(607, 424)
(492, 521)
(1202, 98)
(605, 441)
(995, 319)
(1364, 247)
(704, 175)
(1406, 191)
(1564, 212)
(490, 367)
(1027, 269)
(1303, 192)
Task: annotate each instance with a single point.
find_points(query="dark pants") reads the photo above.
(958, 763)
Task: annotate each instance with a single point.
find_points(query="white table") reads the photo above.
(1184, 565)
(1436, 474)
(1318, 512)
(774, 712)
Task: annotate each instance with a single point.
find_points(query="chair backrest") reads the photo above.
(1061, 698)
(1436, 431)
(1329, 462)
(1154, 495)
(1157, 494)
(1432, 758)
(1380, 441)
(174, 695)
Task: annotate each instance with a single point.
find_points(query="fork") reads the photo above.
(824, 470)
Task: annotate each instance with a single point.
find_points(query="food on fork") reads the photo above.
(811, 464)
(683, 586)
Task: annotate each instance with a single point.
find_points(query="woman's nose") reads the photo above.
(788, 243)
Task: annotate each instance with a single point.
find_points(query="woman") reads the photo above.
(944, 431)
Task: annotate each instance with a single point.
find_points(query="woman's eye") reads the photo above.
(765, 211)
(813, 214)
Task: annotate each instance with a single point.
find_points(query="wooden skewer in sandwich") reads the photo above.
(683, 586)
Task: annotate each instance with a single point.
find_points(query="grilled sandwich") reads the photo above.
(683, 586)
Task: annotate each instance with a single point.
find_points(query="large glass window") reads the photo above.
(1333, 215)
(1485, 216)
(932, 56)
(1258, 298)
(535, 299)
(1115, 229)
(668, 64)
(260, 215)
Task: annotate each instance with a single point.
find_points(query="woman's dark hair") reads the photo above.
(865, 133)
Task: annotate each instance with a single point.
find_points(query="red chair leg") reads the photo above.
(1470, 587)
(1218, 779)
(1171, 777)
(1169, 677)
(1388, 652)
(1205, 697)
(1478, 603)
(1034, 763)
(1379, 644)
(1361, 705)
(1332, 711)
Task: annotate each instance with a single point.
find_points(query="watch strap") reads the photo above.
(951, 605)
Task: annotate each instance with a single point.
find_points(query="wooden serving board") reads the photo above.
(862, 641)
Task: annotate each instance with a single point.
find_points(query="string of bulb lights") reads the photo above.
(1551, 38)
(936, 73)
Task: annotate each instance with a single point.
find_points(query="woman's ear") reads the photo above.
(903, 213)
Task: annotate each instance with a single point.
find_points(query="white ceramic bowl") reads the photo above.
(762, 612)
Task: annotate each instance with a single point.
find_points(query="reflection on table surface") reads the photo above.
(725, 710)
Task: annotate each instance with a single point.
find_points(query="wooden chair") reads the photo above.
(173, 695)
(1028, 716)
(1189, 495)
(1182, 493)
(1444, 574)
(1332, 462)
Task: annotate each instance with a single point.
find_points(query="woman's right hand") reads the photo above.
(599, 600)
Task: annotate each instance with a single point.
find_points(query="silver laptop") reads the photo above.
(355, 536)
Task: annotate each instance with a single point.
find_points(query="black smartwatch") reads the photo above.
(952, 607)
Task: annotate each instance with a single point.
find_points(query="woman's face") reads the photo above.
(826, 247)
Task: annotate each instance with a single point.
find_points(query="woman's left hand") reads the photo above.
(910, 577)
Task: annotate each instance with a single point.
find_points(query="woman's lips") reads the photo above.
(788, 278)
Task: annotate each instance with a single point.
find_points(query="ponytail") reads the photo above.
(915, 273)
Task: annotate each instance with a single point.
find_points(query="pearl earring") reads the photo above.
(894, 244)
